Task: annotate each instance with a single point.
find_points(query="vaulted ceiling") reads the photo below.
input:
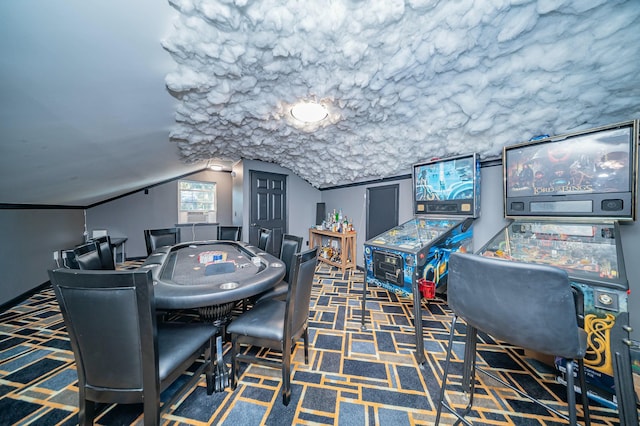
(98, 99)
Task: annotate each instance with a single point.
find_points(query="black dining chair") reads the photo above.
(277, 324)
(158, 238)
(123, 355)
(87, 256)
(69, 259)
(291, 244)
(105, 251)
(526, 305)
(230, 233)
(264, 239)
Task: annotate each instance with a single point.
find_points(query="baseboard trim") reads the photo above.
(24, 296)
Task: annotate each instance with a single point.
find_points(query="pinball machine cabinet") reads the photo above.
(565, 197)
(411, 259)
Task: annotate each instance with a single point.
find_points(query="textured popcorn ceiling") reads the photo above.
(405, 81)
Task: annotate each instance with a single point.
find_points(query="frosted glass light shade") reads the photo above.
(309, 112)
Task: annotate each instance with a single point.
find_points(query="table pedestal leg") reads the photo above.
(219, 315)
(221, 372)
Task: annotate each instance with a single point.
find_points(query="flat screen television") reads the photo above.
(448, 186)
(584, 174)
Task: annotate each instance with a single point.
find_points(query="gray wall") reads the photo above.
(352, 200)
(129, 216)
(491, 218)
(353, 203)
(631, 248)
(29, 237)
(301, 199)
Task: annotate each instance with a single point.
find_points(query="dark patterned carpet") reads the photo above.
(354, 377)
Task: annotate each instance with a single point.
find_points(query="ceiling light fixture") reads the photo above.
(309, 112)
(215, 167)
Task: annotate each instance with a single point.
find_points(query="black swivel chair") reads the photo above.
(277, 324)
(122, 354)
(230, 233)
(291, 244)
(157, 238)
(526, 305)
(87, 256)
(106, 252)
(264, 239)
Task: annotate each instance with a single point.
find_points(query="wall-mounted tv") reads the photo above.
(584, 174)
(448, 186)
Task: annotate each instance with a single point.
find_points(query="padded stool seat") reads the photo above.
(527, 305)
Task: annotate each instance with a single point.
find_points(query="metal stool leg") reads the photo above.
(571, 393)
(442, 403)
(585, 398)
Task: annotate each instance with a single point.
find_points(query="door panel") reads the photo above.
(278, 207)
(262, 205)
(382, 209)
(268, 207)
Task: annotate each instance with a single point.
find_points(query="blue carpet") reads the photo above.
(354, 376)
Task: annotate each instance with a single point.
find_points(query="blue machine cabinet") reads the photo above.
(412, 259)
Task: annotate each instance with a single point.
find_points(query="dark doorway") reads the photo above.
(382, 209)
(268, 207)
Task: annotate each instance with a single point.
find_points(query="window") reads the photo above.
(196, 201)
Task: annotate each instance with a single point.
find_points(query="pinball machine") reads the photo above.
(411, 259)
(566, 198)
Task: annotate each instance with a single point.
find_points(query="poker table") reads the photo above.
(200, 274)
(211, 276)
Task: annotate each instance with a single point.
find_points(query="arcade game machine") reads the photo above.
(565, 197)
(411, 259)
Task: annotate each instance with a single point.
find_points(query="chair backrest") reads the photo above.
(87, 256)
(291, 244)
(264, 239)
(299, 295)
(230, 233)
(155, 238)
(109, 329)
(106, 252)
(69, 259)
(528, 305)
